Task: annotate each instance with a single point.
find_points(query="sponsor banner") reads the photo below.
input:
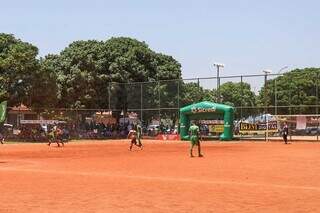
(216, 128)
(105, 120)
(210, 122)
(258, 127)
(41, 122)
(202, 110)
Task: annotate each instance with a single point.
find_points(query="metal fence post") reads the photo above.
(275, 97)
(317, 103)
(141, 102)
(241, 101)
(159, 101)
(179, 99)
(109, 96)
(198, 84)
(265, 105)
(218, 86)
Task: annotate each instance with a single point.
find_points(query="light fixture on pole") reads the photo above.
(218, 65)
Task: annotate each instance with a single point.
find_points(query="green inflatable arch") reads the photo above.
(204, 111)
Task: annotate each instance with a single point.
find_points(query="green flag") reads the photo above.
(3, 110)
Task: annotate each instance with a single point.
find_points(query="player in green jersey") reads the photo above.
(194, 134)
(139, 134)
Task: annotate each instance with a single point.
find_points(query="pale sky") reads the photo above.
(246, 35)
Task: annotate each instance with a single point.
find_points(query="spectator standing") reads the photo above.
(285, 132)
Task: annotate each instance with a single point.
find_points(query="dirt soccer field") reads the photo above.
(103, 176)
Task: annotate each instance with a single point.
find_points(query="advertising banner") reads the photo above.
(258, 128)
(218, 128)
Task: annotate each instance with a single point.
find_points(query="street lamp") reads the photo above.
(218, 65)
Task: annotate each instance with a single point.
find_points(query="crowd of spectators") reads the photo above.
(85, 130)
(101, 130)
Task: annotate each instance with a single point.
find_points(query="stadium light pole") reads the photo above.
(275, 92)
(266, 72)
(218, 65)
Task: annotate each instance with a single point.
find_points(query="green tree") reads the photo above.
(294, 92)
(80, 77)
(193, 93)
(240, 96)
(88, 72)
(18, 65)
(44, 88)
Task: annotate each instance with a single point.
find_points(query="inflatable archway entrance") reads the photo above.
(204, 111)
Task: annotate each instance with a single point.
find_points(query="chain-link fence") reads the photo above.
(259, 100)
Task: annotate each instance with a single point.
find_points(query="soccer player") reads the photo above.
(133, 136)
(51, 136)
(285, 132)
(59, 136)
(55, 135)
(1, 138)
(194, 134)
(139, 135)
(2, 133)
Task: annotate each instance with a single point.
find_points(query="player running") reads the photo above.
(139, 134)
(1, 138)
(133, 135)
(2, 133)
(194, 139)
(55, 135)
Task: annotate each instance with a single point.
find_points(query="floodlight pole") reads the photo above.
(218, 79)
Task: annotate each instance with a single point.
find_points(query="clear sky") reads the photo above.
(246, 35)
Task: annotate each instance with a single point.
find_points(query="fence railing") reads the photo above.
(158, 102)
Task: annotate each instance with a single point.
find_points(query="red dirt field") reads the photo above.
(103, 176)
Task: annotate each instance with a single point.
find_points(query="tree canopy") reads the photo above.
(18, 65)
(104, 74)
(101, 74)
(295, 88)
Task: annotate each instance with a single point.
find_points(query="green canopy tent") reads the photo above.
(204, 111)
